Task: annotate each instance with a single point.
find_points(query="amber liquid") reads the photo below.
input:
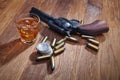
(28, 29)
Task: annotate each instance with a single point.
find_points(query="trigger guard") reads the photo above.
(75, 20)
(74, 23)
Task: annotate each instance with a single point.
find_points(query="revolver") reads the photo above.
(67, 27)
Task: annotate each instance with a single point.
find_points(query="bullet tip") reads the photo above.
(52, 68)
(37, 59)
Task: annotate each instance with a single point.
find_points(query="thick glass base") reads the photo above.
(28, 42)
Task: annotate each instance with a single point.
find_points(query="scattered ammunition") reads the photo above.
(93, 46)
(72, 39)
(44, 39)
(93, 41)
(42, 57)
(52, 63)
(59, 50)
(87, 37)
(50, 51)
(59, 45)
(60, 41)
(53, 42)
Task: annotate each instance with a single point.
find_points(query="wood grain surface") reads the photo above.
(17, 60)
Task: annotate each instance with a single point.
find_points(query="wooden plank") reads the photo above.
(17, 60)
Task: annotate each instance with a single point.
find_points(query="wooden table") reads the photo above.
(17, 60)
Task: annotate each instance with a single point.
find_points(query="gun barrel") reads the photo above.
(43, 16)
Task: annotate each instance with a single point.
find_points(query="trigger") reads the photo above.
(68, 33)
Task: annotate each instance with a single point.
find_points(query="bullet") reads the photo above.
(93, 46)
(72, 39)
(53, 42)
(60, 41)
(44, 39)
(52, 63)
(59, 45)
(42, 57)
(93, 41)
(87, 37)
(59, 50)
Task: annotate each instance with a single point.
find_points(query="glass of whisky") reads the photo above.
(27, 25)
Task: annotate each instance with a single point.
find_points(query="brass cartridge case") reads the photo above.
(44, 39)
(42, 57)
(72, 39)
(60, 41)
(59, 50)
(87, 37)
(60, 45)
(52, 60)
(92, 46)
(53, 42)
(93, 41)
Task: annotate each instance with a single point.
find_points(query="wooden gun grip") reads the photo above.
(95, 28)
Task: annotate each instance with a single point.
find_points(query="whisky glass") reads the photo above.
(27, 25)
